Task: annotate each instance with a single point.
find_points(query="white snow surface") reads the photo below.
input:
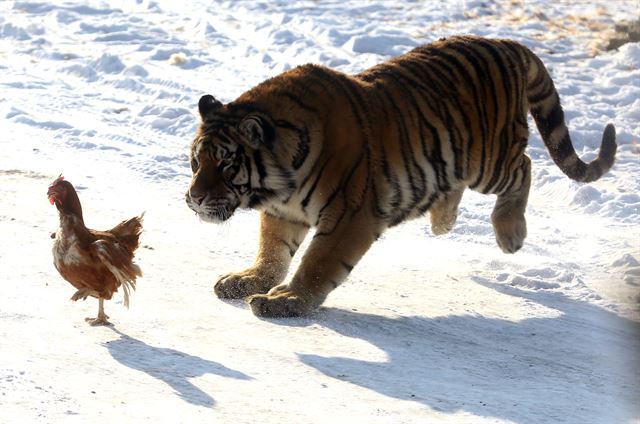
(426, 329)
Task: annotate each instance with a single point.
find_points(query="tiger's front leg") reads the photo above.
(327, 262)
(279, 241)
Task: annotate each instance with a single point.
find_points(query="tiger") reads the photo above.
(353, 155)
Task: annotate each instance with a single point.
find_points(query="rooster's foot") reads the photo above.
(100, 320)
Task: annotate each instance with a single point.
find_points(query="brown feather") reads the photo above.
(101, 261)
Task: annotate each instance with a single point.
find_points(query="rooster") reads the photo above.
(96, 263)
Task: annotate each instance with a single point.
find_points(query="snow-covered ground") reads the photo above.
(425, 330)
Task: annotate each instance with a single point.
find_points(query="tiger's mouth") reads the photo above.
(216, 215)
(216, 210)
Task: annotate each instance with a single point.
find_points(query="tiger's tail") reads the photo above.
(544, 104)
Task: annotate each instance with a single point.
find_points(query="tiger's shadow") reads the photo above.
(526, 371)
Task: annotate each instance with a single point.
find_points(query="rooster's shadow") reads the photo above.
(170, 366)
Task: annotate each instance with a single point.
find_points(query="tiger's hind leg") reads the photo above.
(444, 212)
(508, 219)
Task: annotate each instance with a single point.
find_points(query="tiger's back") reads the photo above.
(353, 155)
(445, 115)
(462, 104)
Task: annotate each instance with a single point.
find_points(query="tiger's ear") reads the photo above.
(207, 104)
(256, 131)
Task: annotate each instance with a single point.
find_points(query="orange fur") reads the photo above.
(352, 155)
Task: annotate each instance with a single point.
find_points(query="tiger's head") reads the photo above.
(233, 161)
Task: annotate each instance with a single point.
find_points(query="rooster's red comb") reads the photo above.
(57, 180)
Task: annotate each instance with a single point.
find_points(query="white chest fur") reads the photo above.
(66, 249)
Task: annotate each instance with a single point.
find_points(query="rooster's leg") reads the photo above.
(84, 293)
(102, 318)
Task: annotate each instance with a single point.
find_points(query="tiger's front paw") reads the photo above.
(243, 284)
(280, 302)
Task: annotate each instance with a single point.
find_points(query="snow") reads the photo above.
(426, 329)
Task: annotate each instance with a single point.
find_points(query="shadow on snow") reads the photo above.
(171, 366)
(580, 367)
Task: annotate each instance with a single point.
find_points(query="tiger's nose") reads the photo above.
(197, 198)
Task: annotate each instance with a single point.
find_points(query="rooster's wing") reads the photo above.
(119, 261)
